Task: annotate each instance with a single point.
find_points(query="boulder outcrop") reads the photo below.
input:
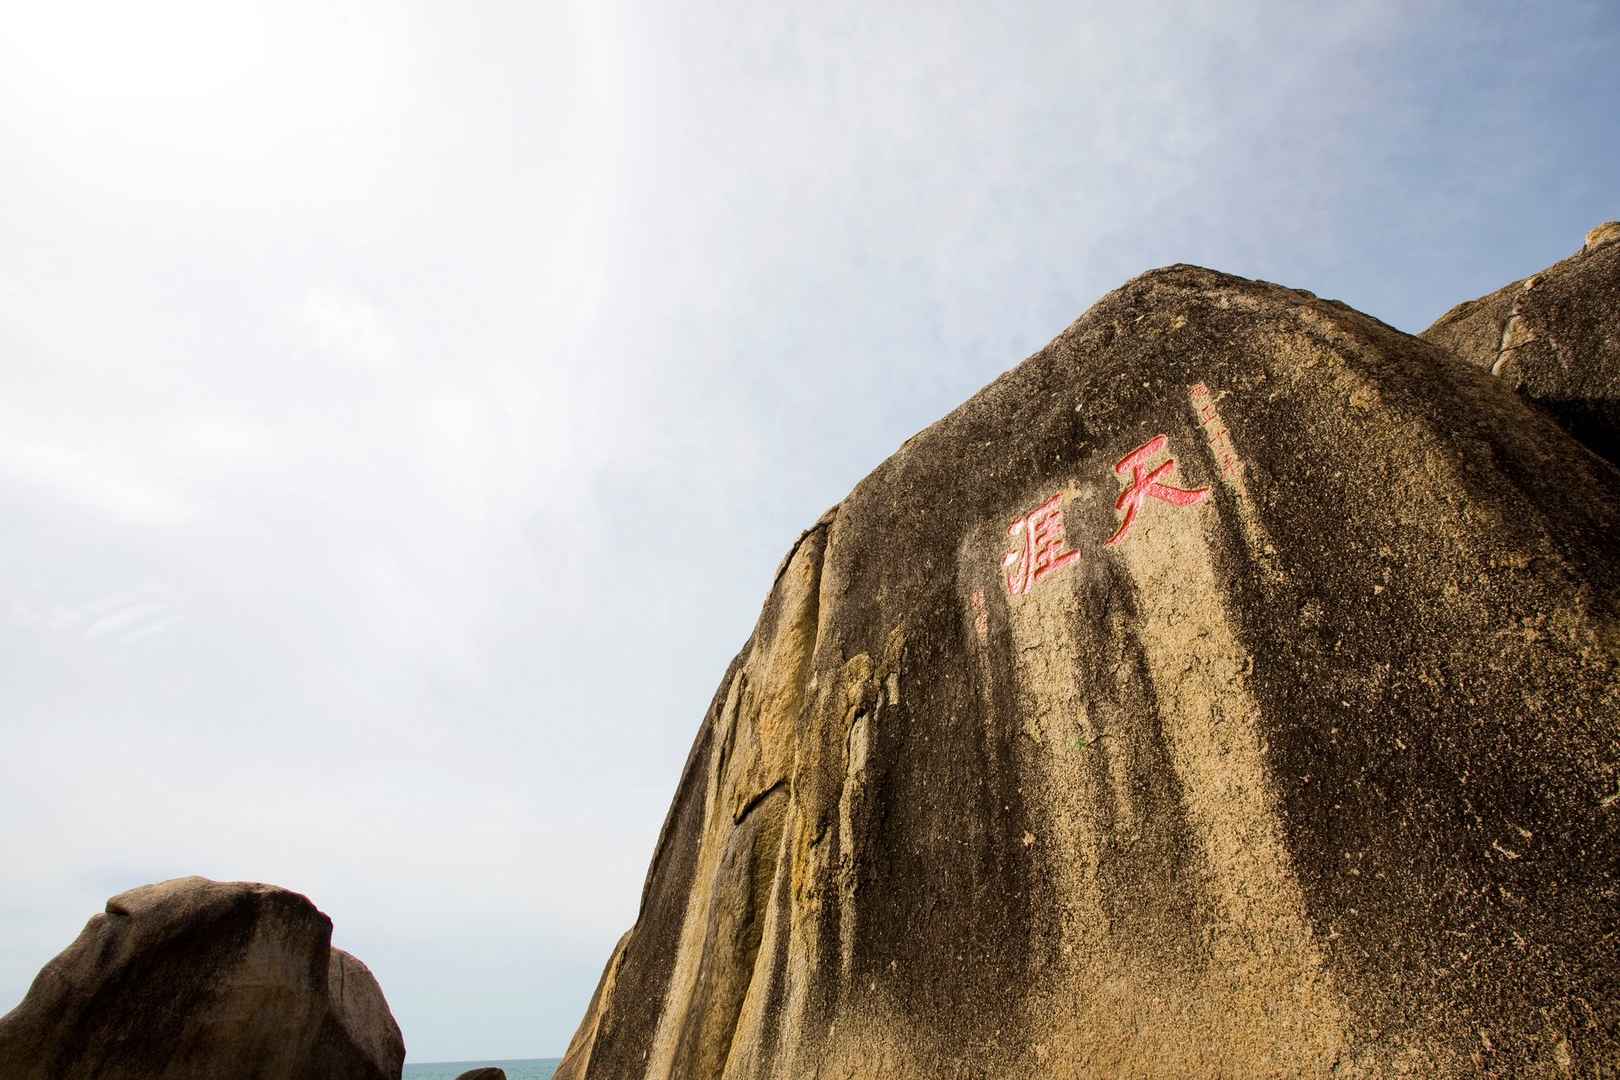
(1227, 690)
(1555, 338)
(488, 1072)
(194, 979)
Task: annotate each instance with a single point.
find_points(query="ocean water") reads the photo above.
(521, 1069)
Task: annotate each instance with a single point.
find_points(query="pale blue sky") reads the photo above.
(405, 408)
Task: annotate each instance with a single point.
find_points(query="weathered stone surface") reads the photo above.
(1313, 775)
(194, 978)
(489, 1072)
(1606, 233)
(359, 1036)
(1555, 338)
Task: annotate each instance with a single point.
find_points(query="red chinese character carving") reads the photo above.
(1041, 552)
(1144, 483)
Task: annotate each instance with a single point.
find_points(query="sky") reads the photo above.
(405, 406)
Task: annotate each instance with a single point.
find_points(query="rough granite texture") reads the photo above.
(1554, 337)
(1315, 774)
(194, 979)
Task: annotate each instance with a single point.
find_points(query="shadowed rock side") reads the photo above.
(1312, 772)
(194, 979)
(1555, 338)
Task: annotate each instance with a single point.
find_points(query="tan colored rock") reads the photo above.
(1555, 339)
(192, 979)
(359, 1033)
(1305, 775)
(1606, 233)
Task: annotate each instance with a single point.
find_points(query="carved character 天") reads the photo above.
(1145, 482)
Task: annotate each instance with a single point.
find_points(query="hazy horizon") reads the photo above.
(407, 406)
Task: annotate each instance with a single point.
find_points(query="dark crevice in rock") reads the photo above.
(731, 940)
(748, 807)
(823, 524)
(1593, 422)
(696, 762)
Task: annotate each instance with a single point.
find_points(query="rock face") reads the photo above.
(194, 979)
(1555, 338)
(1601, 236)
(1227, 690)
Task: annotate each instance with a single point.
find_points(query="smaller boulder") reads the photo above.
(488, 1072)
(194, 978)
(1554, 338)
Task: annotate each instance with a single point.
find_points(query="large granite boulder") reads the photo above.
(1227, 690)
(194, 979)
(1555, 338)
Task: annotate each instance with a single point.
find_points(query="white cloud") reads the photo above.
(96, 482)
(351, 332)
